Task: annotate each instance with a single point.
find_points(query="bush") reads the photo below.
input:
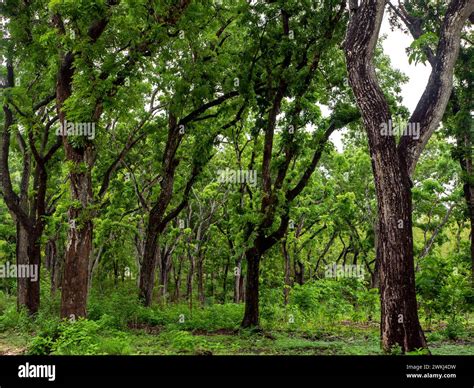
(444, 288)
(5, 301)
(455, 328)
(334, 300)
(81, 337)
(14, 319)
(180, 317)
(121, 306)
(181, 341)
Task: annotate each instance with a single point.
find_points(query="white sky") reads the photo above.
(394, 46)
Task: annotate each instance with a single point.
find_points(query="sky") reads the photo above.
(394, 46)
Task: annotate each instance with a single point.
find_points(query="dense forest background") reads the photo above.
(168, 169)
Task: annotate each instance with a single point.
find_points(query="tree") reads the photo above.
(194, 109)
(74, 62)
(394, 164)
(27, 112)
(422, 22)
(299, 47)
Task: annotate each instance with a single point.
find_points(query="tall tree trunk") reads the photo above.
(393, 165)
(224, 280)
(200, 275)
(251, 315)
(400, 325)
(29, 254)
(238, 281)
(190, 277)
(163, 274)
(147, 270)
(22, 241)
(34, 253)
(79, 244)
(468, 188)
(287, 283)
(79, 235)
(53, 262)
(156, 222)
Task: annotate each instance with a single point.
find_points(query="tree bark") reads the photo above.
(147, 270)
(200, 276)
(287, 273)
(22, 259)
(392, 165)
(238, 281)
(251, 315)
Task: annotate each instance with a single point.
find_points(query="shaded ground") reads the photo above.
(345, 339)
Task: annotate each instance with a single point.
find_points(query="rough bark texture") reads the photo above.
(251, 315)
(392, 165)
(238, 281)
(463, 140)
(287, 272)
(79, 236)
(21, 259)
(432, 104)
(468, 189)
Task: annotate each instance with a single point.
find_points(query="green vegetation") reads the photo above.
(313, 323)
(210, 177)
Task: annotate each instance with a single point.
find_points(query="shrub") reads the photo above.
(14, 319)
(81, 337)
(120, 305)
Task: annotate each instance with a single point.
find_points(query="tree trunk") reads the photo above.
(79, 236)
(299, 271)
(190, 277)
(147, 272)
(468, 188)
(177, 279)
(287, 283)
(224, 280)
(400, 325)
(238, 281)
(33, 285)
(165, 267)
(76, 265)
(53, 263)
(251, 315)
(21, 259)
(200, 274)
(28, 253)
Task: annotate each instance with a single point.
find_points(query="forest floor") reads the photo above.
(344, 339)
(118, 325)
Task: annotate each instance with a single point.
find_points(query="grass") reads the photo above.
(117, 324)
(340, 340)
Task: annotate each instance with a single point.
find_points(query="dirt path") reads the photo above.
(9, 350)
